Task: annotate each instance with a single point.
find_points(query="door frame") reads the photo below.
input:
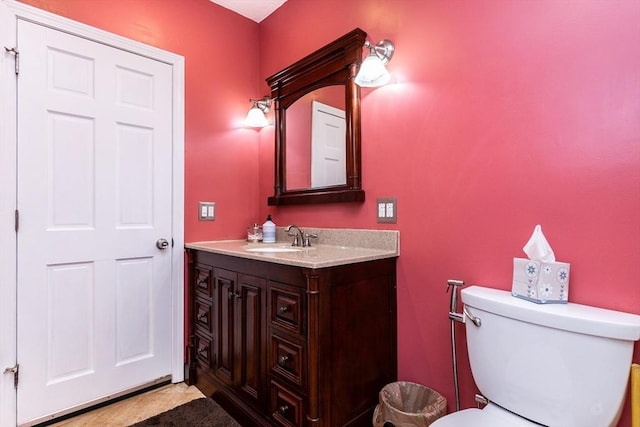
(10, 12)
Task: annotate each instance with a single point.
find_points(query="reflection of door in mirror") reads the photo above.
(299, 157)
(328, 155)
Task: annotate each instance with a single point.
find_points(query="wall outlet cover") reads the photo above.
(387, 210)
(206, 211)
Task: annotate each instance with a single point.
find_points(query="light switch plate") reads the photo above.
(207, 211)
(387, 210)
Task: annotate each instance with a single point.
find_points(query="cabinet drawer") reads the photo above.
(287, 360)
(203, 282)
(286, 308)
(204, 315)
(286, 408)
(204, 350)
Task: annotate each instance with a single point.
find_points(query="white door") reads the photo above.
(94, 197)
(328, 146)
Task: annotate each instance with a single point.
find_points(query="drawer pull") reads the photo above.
(202, 316)
(282, 360)
(283, 409)
(283, 308)
(202, 350)
(202, 282)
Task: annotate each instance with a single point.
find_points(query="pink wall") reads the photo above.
(299, 143)
(504, 114)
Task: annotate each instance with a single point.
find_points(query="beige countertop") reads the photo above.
(369, 245)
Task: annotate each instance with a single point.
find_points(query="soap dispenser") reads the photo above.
(269, 231)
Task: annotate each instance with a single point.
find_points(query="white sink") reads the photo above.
(272, 249)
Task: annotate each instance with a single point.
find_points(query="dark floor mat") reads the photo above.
(198, 412)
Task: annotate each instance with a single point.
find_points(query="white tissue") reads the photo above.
(537, 248)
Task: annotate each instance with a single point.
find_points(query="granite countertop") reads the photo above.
(334, 247)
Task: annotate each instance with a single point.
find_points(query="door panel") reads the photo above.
(225, 283)
(94, 195)
(328, 146)
(249, 341)
(66, 327)
(134, 299)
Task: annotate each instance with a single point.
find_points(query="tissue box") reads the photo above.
(541, 282)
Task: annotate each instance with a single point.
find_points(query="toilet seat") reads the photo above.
(491, 416)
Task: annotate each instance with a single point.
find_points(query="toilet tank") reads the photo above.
(555, 364)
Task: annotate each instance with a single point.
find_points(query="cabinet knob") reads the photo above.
(282, 360)
(234, 294)
(202, 350)
(202, 316)
(202, 282)
(283, 308)
(283, 409)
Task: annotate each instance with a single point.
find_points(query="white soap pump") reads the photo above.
(269, 231)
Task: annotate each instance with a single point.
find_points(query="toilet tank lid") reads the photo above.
(571, 317)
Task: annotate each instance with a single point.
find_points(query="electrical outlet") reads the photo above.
(207, 211)
(387, 210)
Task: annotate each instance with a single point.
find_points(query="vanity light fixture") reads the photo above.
(373, 72)
(255, 118)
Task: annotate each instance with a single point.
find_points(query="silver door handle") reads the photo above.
(162, 244)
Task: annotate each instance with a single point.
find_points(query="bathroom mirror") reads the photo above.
(317, 126)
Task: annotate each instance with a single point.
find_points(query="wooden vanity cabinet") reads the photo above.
(282, 345)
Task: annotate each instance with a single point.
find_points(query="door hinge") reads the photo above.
(15, 52)
(15, 370)
(17, 220)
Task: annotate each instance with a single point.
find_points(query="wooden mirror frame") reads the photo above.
(334, 64)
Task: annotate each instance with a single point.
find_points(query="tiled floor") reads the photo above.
(135, 408)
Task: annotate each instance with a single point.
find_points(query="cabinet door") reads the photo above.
(224, 310)
(250, 333)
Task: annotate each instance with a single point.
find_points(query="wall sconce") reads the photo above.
(255, 118)
(373, 72)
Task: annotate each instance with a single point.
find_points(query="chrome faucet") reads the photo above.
(299, 237)
(297, 241)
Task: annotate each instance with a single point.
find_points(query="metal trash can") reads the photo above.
(407, 404)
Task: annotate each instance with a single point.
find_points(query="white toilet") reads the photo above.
(564, 365)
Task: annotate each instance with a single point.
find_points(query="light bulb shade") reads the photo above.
(255, 118)
(372, 72)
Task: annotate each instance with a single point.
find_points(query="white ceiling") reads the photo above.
(255, 10)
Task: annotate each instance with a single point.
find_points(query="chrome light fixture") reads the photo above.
(373, 72)
(255, 118)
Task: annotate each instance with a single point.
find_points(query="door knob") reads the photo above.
(162, 244)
